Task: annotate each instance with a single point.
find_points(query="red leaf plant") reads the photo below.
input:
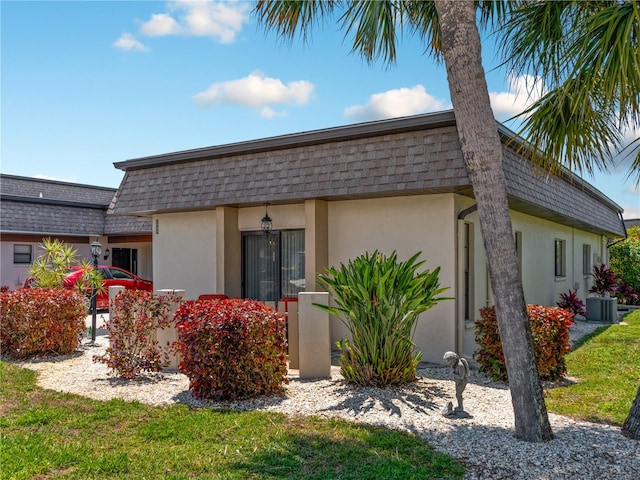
(133, 348)
(232, 349)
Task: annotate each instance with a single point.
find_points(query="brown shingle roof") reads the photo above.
(410, 155)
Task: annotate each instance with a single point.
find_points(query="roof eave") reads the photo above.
(359, 130)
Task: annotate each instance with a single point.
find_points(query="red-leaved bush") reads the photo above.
(232, 349)
(41, 321)
(550, 332)
(133, 348)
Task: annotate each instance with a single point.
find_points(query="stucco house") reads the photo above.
(335, 193)
(32, 209)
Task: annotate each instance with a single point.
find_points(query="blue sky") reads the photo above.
(86, 84)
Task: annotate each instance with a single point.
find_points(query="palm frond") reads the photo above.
(289, 18)
(373, 26)
(608, 59)
(569, 126)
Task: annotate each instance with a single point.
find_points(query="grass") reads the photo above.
(48, 434)
(608, 368)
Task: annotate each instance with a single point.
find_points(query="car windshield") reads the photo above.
(120, 275)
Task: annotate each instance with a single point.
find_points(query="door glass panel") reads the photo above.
(292, 255)
(261, 267)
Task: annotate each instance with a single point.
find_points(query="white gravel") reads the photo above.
(484, 439)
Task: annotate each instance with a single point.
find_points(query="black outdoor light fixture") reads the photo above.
(106, 254)
(266, 222)
(96, 251)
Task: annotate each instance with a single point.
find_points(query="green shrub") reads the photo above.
(379, 300)
(232, 349)
(624, 259)
(40, 321)
(550, 331)
(134, 319)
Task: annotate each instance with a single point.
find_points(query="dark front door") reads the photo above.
(261, 272)
(126, 258)
(272, 265)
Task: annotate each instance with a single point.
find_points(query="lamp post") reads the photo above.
(96, 251)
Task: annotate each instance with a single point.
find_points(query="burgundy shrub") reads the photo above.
(41, 321)
(232, 349)
(550, 332)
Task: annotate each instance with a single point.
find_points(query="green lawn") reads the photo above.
(607, 365)
(47, 434)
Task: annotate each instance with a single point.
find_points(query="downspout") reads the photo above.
(462, 215)
(460, 326)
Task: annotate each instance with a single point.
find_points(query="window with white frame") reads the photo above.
(22, 254)
(586, 259)
(560, 258)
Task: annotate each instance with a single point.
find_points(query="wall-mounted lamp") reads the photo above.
(266, 224)
(106, 254)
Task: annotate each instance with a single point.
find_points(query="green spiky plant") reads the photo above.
(379, 299)
(55, 261)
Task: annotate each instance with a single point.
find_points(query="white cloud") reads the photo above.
(129, 42)
(634, 188)
(394, 103)
(268, 112)
(255, 91)
(523, 92)
(202, 18)
(631, 212)
(159, 25)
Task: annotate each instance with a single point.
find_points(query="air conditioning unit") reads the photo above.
(602, 309)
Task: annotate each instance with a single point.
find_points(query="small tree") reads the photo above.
(379, 300)
(624, 258)
(51, 266)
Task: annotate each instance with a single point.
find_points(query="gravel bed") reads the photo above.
(483, 438)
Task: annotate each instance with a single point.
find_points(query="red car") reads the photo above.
(113, 277)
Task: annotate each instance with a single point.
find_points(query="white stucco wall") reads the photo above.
(184, 252)
(538, 261)
(284, 217)
(538, 276)
(406, 225)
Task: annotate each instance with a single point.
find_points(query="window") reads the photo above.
(560, 258)
(586, 259)
(22, 254)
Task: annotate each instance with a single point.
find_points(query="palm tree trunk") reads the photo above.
(631, 426)
(482, 151)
